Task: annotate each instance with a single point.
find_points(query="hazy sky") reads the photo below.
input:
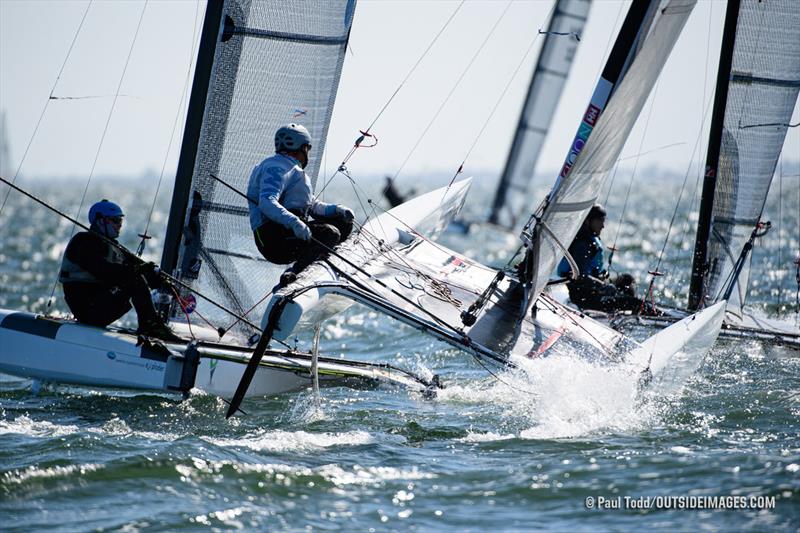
(387, 39)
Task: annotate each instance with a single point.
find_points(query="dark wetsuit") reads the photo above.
(592, 290)
(278, 244)
(100, 282)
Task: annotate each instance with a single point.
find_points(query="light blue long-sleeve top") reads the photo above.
(280, 183)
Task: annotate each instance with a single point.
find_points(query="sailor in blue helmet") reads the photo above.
(592, 289)
(101, 280)
(289, 224)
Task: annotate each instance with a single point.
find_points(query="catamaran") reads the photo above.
(391, 264)
(758, 81)
(502, 316)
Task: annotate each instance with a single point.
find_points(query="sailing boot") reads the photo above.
(156, 328)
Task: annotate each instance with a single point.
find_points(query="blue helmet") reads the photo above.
(104, 208)
(291, 137)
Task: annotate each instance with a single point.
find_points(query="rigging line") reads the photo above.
(453, 89)
(410, 72)
(494, 110)
(105, 131)
(47, 103)
(397, 90)
(648, 152)
(94, 97)
(608, 43)
(498, 378)
(174, 129)
(567, 314)
(683, 187)
(357, 268)
(124, 250)
(694, 150)
(635, 167)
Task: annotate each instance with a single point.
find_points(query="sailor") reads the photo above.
(289, 224)
(102, 280)
(391, 193)
(593, 289)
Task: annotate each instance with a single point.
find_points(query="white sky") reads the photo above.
(387, 39)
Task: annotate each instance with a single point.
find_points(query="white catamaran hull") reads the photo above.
(674, 353)
(61, 351)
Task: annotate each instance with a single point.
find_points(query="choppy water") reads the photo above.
(517, 454)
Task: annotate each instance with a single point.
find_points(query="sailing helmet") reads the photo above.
(291, 137)
(597, 211)
(104, 208)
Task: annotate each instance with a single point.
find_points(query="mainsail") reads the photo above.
(755, 103)
(549, 76)
(264, 64)
(642, 47)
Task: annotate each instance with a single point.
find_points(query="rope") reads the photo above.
(452, 90)
(367, 132)
(491, 114)
(633, 174)
(44, 109)
(144, 235)
(103, 136)
(697, 144)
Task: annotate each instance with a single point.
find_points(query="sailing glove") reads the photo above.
(345, 212)
(300, 230)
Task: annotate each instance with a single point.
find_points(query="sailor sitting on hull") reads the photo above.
(288, 215)
(593, 289)
(101, 280)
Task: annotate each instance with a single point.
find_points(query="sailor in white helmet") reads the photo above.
(289, 224)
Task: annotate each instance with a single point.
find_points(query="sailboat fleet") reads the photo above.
(392, 264)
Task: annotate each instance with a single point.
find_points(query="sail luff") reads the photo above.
(699, 260)
(191, 134)
(544, 92)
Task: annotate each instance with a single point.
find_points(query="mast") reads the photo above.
(191, 134)
(700, 259)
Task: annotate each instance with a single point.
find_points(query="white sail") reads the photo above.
(547, 84)
(611, 115)
(762, 93)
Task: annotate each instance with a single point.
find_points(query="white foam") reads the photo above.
(560, 397)
(281, 441)
(34, 472)
(24, 425)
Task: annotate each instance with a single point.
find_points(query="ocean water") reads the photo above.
(502, 452)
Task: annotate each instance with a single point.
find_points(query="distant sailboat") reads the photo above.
(758, 81)
(562, 37)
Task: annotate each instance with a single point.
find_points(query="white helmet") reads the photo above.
(291, 137)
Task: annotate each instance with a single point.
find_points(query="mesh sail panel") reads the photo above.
(547, 83)
(276, 62)
(579, 189)
(762, 93)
